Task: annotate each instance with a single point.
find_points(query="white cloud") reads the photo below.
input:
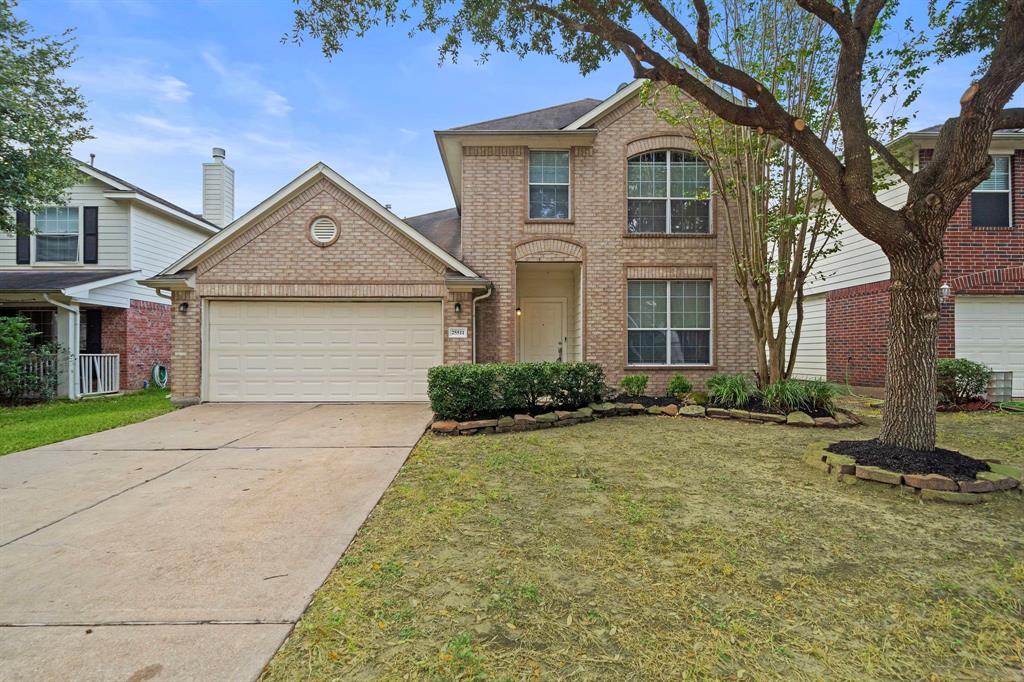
(239, 81)
(131, 77)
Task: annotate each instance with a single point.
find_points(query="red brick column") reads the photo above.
(857, 332)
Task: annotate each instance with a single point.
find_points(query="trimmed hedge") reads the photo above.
(961, 380)
(465, 391)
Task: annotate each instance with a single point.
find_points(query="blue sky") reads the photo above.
(168, 80)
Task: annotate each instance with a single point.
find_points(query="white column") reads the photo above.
(67, 337)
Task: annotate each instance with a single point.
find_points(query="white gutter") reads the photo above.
(481, 297)
(76, 341)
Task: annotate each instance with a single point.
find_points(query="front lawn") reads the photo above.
(670, 548)
(22, 428)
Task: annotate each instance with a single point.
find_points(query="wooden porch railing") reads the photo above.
(99, 373)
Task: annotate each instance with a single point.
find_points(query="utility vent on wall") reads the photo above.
(323, 231)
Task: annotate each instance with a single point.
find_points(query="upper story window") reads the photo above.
(549, 185)
(56, 234)
(668, 192)
(990, 201)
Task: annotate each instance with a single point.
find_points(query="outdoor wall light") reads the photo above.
(183, 307)
(944, 291)
(519, 312)
(458, 307)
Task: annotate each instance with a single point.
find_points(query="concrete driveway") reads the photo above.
(186, 546)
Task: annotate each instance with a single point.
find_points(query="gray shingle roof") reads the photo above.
(549, 118)
(52, 280)
(997, 133)
(444, 228)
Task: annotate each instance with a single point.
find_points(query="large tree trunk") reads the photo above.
(908, 416)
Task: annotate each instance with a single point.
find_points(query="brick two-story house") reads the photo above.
(982, 313)
(580, 232)
(74, 271)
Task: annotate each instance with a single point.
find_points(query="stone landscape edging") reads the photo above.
(557, 418)
(929, 487)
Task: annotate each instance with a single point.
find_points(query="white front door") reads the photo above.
(990, 329)
(542, 329)
(321, 351)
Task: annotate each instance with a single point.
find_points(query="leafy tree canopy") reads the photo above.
(41, 118)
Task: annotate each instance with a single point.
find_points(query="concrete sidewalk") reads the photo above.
(187, 546)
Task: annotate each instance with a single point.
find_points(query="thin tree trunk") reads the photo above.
(908, 417)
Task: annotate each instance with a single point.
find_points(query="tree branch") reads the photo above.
(890, 159)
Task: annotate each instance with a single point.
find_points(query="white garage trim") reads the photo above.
(345, 318)
(990, 329)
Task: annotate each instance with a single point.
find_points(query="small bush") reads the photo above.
(679, 386)
(634, 384)
(730, 390)
(19, 381)
(785, 396)
(696, 398)
(820, 395)
(961, 380)
(465, 391)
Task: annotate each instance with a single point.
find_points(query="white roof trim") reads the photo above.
(319, 169)
(604, 107)
(131, 195)
(82, 290)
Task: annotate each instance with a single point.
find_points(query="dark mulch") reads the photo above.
(948, 463)
(646, 400)
(972, 406)
(755, 405)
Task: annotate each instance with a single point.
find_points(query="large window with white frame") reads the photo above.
(991, 203)
(57, 231)
(549, 185)
(669, 322)
(668, 192)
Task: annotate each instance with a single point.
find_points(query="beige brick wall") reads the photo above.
(495, 227)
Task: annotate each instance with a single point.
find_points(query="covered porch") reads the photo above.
(549, 312)
(58, 306)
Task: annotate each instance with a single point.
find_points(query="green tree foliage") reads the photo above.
(27, 372)
(41, 118)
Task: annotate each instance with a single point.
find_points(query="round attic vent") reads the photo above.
(323, 231)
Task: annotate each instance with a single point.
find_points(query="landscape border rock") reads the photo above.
(928, 487)
(525, 422)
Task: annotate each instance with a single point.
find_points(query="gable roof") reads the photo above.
(549, 118)
(123, 185)
(444, 228)
(588, 118)
(935, 129)
(311, 175)
(57, 280)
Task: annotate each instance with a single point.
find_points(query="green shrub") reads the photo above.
(730, 390)
(820, 395)
(575, 384)
(697, 398)
(20, 380)
(464, 391)
(679, 386)
(634, 384)
(786, 396)
(961, 380)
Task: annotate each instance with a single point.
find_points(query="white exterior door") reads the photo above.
(990, 329)
(321, 350)
(542, 330)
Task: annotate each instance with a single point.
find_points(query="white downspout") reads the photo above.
(74, 333)
(490, 290)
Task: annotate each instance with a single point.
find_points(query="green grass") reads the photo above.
(22, 428)
(653, 548)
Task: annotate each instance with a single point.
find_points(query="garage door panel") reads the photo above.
(990, 329)
(321, 351)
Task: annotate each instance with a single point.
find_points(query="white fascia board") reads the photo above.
(604, 107)
(318, 170)
(192, 221)
(82, 290)
(95, 174)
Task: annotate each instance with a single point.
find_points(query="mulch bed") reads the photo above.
(646, 400)
(947, 463)
(972, 406)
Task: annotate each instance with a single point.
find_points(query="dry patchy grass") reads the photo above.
(654, 548)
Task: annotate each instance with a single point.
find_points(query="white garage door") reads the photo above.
(321, 351)
(990, 329)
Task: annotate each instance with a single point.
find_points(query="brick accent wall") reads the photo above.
(496, 233)
(149, 342)
(977, 261)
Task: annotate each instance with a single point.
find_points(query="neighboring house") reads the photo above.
(982, 315)
(74, 270)
(580, 232)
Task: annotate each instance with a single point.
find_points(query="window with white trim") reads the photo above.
(57, 234)
(668, 192)
(669, 322)
(549, 185)
(990, 201)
